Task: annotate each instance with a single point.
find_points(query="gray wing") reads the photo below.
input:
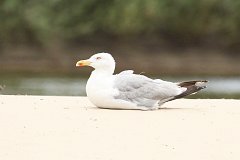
(142, 90)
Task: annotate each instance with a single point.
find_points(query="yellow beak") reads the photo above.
(83, 63)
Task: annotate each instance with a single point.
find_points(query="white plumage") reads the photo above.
(127, 90)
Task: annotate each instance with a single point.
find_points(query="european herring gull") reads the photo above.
(127, 90)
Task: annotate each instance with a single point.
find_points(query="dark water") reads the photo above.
(64, 85)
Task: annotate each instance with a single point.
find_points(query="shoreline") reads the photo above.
(58, 127)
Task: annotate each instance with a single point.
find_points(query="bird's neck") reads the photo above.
(98, 79)
(102, 72)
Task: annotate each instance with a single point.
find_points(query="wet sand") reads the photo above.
(71, 128)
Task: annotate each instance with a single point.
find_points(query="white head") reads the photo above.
(100, 61)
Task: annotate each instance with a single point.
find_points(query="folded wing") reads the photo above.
(144, 91)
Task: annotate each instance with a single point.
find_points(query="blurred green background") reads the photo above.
(40, 42)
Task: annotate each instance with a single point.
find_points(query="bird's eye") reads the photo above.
(98, 58)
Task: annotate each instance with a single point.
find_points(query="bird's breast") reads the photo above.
(99, 91)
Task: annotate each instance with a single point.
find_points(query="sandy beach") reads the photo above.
(71, 128)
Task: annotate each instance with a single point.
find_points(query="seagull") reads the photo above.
(127, 90)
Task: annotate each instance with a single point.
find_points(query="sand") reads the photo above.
(71, 128)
